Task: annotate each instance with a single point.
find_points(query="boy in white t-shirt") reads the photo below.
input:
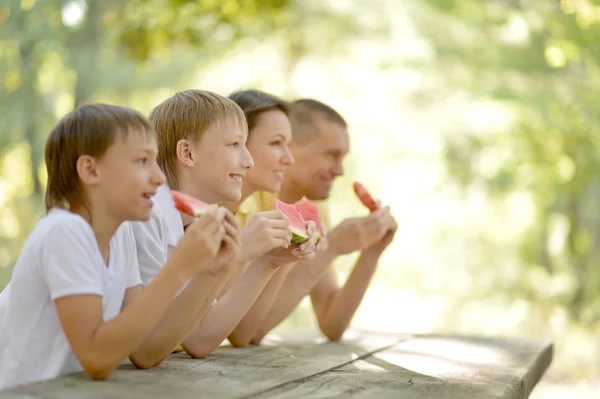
(202, 150)
(75, 300)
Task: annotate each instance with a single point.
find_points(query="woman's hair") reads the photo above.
(255, 102)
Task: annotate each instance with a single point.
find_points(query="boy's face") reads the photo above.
(128, 176)
(268, 143)
(221, 162)
(319, 161)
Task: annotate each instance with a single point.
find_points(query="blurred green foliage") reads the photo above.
(538, 59)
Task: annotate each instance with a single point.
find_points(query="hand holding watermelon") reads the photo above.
(365, 197)
(356, 234)
(231, 244)
(226, 232)
(264, 232)
(200, 243)
(295, 252)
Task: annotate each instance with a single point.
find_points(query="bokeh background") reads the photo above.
(478, 122)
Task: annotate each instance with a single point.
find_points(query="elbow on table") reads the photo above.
(333, 333)
(97, 368)
(239, 341)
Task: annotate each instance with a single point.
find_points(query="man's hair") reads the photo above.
(303, 114)
(187, 115)
(88, 130)
(255, 102)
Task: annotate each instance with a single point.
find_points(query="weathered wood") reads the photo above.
(227, 373)
(363, 365)
(432, 366)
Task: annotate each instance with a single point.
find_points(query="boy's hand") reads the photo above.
(264, 232)
(231, 245)
(200, 242)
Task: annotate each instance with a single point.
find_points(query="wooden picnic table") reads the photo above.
(363, 365)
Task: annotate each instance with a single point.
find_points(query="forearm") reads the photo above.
(247, 328)
(299, 282)
(116, 339)
(238, 270)
(342, 305)
(184, 313)
(228, 311)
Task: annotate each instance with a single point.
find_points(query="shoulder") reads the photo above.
(264, 200)
(63, 225)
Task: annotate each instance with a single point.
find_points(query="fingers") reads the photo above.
(230, 218)
(232, 231)
(310, 227)
(322, 245)
(281, 237)
(283, 224)
(272, 215)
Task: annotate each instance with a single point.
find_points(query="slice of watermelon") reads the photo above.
(188, 204)
(299, 234)
(309, 211)
(364, 197)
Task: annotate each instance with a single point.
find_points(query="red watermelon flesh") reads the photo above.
(365, 197)
(188, 204)
(299, 234)
(309, 211)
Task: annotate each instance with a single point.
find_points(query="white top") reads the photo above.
(60, 258)
(156, 238)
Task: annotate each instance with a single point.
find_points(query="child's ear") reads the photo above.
(184, 152)
(87, 171)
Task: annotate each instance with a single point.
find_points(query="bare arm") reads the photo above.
(247, 328)
(101, 346)
(222, 318)
(299, 282)
(334, 306)
(183, 314)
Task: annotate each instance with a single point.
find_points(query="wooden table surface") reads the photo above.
(363, 365)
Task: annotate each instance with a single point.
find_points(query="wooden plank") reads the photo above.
(227, 373)
(432, 366)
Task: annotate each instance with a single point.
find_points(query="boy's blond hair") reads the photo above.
(88, 130)
(187, 115)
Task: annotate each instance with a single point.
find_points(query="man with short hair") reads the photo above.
(320, 143)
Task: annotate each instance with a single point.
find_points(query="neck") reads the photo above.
(103, 225)
(188, 187)
(289, 192)
(247, 190)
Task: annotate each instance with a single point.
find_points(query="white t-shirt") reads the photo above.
(156, 238)
(60, 258)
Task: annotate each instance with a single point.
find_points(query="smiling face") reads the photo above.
(268, 143)
(319, 160)
(217, 164)
(125, 177)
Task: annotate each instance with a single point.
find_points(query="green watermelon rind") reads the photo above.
(299, 237)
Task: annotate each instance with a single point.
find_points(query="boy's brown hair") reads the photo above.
(255, 102)
(88, 130)
(187, 115)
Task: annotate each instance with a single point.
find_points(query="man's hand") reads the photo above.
(384, 242)
(357, 234)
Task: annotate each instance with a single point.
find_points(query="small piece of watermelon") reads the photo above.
(188, 204)
(364, 197)
(309, 211)
(299, 234)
